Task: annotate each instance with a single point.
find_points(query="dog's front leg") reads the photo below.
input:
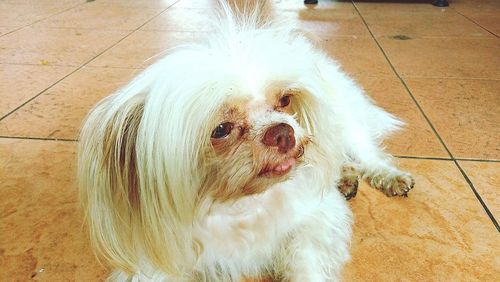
(378, 169)
(317, 250)
(305, 263)
(374, 165)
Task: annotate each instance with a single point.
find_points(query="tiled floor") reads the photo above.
(438, 69)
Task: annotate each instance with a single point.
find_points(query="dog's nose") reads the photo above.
(281, 136)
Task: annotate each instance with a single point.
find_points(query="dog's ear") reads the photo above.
(108, 177)
(133, 199)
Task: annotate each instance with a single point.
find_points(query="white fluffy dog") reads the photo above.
(222, 161)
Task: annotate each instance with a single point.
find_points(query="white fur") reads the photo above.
(299, 228)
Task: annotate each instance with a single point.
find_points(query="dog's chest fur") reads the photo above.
(248, 232)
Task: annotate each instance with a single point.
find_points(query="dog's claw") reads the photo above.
(398, 185)
(352, 193)
(348, 185)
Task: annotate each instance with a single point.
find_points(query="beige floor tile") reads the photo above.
(400, 6)
(416, 138)
(444, 57)
(327, 22)
(358, 55)
(479, 6)
(59, 112)
(196, 4)
(439, 22)
(42, 230)
(133, 53)
(278, 4)
(21, 13)
(135, 3)
(486, 179)
(464, 112)
(39, 3)
(179, 19)
(48, 46)
(111, 17)
(439, 233)
(18, 83)
(299, 5)
(483, 12)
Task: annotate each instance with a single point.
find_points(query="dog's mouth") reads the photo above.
(280, 169)
(283, 167)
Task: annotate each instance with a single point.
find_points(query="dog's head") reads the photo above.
(228, 119)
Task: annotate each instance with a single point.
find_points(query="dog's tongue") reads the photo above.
(284, 166)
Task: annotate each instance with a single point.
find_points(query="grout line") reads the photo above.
(84, 28)
(473, 21)
(359, 75)
(403, 82)
(14, 30)
(450, 78)
(486, 209)
(42, 19)
(83, 65)
(40, 93)
(136, 29)
(478, 196)
(38, 138)
(468, 37)
(446, 159)
(43, 91)
(37, 64)
(477, 160)
(59, 80)
(423, 158)
(68, 66)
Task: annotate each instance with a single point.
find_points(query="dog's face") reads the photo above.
(257, 142)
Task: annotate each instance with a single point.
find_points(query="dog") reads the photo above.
(232, 158)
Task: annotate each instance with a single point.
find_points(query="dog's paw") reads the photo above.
(393, 184)
(348, 184)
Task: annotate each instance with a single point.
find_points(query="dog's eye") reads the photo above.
(284, 101)
(222, 130)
